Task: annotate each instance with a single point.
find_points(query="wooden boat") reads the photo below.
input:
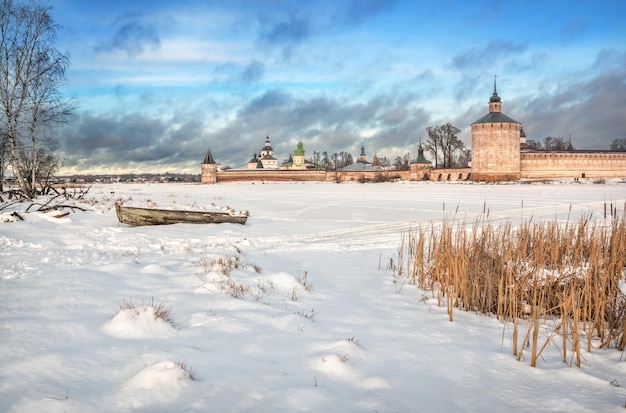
(152, 216)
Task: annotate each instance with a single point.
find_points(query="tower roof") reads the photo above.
(208, 158)
(421, 159)
(495, 117)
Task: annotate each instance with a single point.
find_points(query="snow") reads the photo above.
(295, 311)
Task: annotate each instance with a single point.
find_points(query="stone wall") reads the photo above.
(277, 175)
(578, 164)
(457, 174)
(211, 175)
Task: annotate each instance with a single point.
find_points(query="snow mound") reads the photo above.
(158, 383)
(138, 323)
(339, 362)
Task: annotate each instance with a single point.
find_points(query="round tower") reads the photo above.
(209, 170)
(495, 144)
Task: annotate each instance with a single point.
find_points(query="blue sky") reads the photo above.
(157, 83)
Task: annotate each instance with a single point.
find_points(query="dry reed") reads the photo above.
(566, 273)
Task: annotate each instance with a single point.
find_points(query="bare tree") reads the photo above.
(315, 159)
(618, 144)
(334, 159)
(402, 163)
(383, 162)
(533, 144)
(345, 159)
(326, 161)
(464, 158)
(443, 141)
(433, 143)
(31, 72)
(450, 143)
(557, 144)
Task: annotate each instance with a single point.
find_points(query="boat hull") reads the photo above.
(149, 216)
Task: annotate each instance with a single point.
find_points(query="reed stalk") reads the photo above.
(538, 271)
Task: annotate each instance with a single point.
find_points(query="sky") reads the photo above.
(158, 83)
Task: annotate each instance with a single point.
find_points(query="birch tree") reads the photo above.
(31, 104)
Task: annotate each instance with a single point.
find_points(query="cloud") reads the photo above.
(388, 124)
(115, 142)
(132, 36)
(574, 29)
(288, 29)
(478, 58)
(359, 11)
(252, 72)
(324, 124)
(506, 56)
(571, 107)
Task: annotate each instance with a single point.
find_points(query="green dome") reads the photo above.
(299, 149)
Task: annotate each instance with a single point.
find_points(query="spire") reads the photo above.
(494, 97)
(420, 155)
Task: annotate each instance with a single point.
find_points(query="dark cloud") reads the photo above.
(391, 123)
(359, 11)
(117, 141)
(485, 56)
(591, 110)
(574, 29)
(323, 123)
(588, 127)
(287, 29)
(252, 72)
(475, 63)
(131, 35)
(271, 100)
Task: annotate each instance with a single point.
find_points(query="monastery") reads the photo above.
(499, 153)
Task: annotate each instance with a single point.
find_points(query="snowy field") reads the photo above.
(295, 311)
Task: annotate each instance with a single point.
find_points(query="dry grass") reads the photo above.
(189, 371)
(222, 266)
(160, 310)
(225, 264)
(567, 274)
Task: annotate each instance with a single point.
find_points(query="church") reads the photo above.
(265, 159)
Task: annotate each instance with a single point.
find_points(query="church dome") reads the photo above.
(299, 149)
(494, 97)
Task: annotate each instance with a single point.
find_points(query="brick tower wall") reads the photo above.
(495, 152)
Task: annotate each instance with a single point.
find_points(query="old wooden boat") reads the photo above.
(152, 216)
